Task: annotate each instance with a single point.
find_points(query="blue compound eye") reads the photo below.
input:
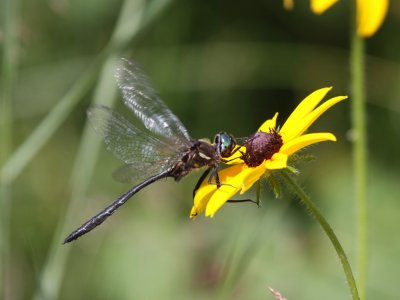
(225, 144)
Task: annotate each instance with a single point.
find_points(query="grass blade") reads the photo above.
(8, 75)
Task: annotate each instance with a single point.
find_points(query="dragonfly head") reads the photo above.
(225, 144)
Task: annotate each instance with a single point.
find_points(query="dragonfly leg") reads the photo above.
(243, 200)
(236, 150)
(201, 179)
(216, 176)
(229, 160)
(257, 202)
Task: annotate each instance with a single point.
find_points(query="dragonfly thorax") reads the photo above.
(200, 154)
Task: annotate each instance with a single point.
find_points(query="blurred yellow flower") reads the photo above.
(288, 4)
(370, 13)
(268, 149)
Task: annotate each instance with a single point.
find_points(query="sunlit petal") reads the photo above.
(320, 6)
(219, 198)
(308, 120)
(277, 161)
(268, 125)
(201, 198)
(235, 157)
(206, 190)
(370, 16)
(242, 181)
(306, 140)
(288, 130)
(252, 177)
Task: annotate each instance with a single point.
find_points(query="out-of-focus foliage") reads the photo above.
(219, 65)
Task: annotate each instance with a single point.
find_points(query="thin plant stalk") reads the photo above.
(32, 145)
(312, 208)
(358, 113)
(8, 74)
(54, 268)
(127, 27)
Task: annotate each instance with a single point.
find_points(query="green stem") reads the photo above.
(358, 113)
(9, 10)
(54, 268)
(312, 208)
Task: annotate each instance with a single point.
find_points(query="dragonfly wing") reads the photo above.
(142, 99)
(131, 144)
(132, 172)
(241, 141)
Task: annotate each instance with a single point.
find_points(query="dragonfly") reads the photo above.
(162, 149)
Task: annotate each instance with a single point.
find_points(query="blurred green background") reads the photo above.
(219, 65)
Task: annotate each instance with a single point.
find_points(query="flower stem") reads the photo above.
(359, 152)
(312, 208)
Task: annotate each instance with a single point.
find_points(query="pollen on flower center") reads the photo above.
(261, 146)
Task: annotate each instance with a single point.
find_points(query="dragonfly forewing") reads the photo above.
(131, 144)
(142, 99)
(134, 172)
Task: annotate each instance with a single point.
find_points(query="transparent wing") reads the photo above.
(242, 140)
(132, 172)
(143, 101)
(135, 147)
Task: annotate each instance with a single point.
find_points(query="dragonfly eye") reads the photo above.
(225, 144)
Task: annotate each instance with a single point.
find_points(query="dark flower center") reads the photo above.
(261, 146)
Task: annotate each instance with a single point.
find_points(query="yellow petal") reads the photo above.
(288, 129)
(194, 212)
(277, 161)
(308, 120)
(306, 140)
(235, 158)
(243, 180)
(202, 197)
(320, 6)
(370, 16)
(252, 177)
(219, 198)
(205, 191)
(269, 125)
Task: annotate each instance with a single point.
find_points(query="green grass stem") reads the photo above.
(43, 132)
(358, 113)
(53, 271)
(127, 28)
(8, 71)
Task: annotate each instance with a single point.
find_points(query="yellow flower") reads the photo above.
(247, 168)
(370, 13)
(288, 4)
